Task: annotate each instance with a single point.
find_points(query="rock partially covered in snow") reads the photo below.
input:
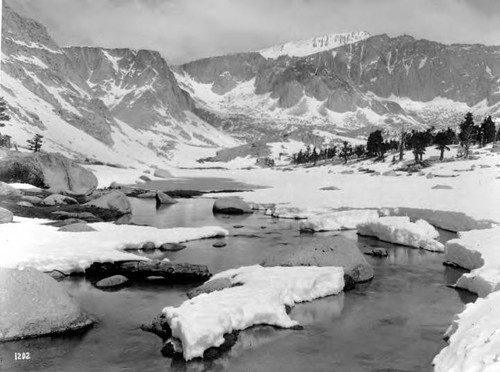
(34, 304)
(6, 216)
(231, 205)
(57, 199)
(401, 230)
(77, 227)
(210, 286)
(54, 171)
(477, 250)
(261, 298)
(337, 251)
(474, 339)
(6, 189)
(300, 213)
(115, 200)
(112, 281)
(342, 220)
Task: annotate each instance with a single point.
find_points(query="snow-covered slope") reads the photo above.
(111, 105)
(302, 48)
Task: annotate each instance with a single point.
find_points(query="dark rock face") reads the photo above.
(47, 170)
(34, 304)
(338, 251)
(231, 205)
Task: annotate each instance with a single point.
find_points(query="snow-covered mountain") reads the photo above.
(377, 80)
(302, 48)
(111, 105)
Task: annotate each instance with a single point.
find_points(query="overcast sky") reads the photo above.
(184, 30)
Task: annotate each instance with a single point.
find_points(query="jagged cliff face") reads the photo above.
(374, 81)
(126, 100)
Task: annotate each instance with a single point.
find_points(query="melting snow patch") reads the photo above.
(343, 220)
(200, 323)
(401, 230)
(28, 242)
(474, 345)
(477, 250)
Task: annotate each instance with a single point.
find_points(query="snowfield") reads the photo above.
(475, 339)
(260, 298)
(401, 230)
(75, 251)
(479, 251)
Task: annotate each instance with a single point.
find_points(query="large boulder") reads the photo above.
(337, 251)
(162, 173)
(231, 205)
(34, 304)
(6, 216)
(115, 200)
(7, 190)
(162, 198)
(52, 171)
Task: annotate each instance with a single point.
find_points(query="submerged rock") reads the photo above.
(112, 281)
(337, 251)
(231, 205)
(172, 348)
(34, 304)
(378, 252)
(219, 245)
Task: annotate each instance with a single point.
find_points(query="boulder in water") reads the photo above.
(112, 281)
(231, 205)
(336, 251)
(115, 200)
(34, 304)
(162, 198)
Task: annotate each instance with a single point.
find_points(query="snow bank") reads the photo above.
(23, 186)
(474, 345)
(28, 242)
(300, 213)
(342, 220)
(479, 251)
(401, 230)
(201, 322)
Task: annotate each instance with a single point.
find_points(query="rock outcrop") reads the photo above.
(53, 171)
(114, 200)
(34, 304)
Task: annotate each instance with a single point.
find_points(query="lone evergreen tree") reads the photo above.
(442, 139)
(35, 144)
(3, 114)
(346, 151)
(375, 144)
(468, 133)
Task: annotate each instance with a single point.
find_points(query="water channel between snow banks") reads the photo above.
(394, 322)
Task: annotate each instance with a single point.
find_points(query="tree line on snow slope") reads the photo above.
(377, 147)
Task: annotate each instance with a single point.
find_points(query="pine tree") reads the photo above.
(442, 139)
(359, 150)
(35, 144)
(488, 131)
(375, 144)
(346, 151)
(468, 133)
